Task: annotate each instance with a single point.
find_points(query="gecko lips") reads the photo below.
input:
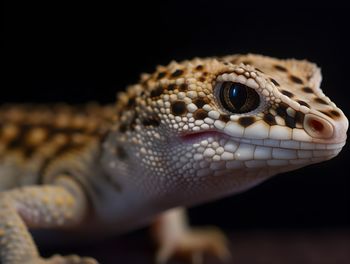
(196, 136)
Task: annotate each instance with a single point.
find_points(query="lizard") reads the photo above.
(191, 132)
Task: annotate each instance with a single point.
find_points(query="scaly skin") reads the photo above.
(172, 140)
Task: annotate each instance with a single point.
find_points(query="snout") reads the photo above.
(327, 128)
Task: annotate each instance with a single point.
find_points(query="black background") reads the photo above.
(83, 52)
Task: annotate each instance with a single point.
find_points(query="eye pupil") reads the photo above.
(237, 97)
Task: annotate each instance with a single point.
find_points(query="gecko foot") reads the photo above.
(193, 244)
(71, 259)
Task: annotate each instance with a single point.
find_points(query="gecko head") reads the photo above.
(234, 121)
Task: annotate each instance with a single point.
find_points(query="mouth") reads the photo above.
(285, 149)
(193, 137)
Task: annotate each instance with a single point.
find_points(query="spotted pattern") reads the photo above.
(200, 114)
(301, 102)
(299, 117)
(180, 98)
(169, 138)
(307, 90)
(151, 121)
(274, 82)
(270, 119)
(320, 101)
(224, 118)
(33, 130)
(182, 94)
(37, 137)
(335, 113)
(280, 68)
(200, 102)
(287, 93)
(246, 121)
(156, 92)
(178, 108)
(161, 75)
(177, 73)
(171, 87)
(183, 87)
(296, 79)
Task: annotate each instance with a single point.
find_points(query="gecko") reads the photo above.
(191, 132)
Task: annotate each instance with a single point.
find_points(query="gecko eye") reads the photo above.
(237, 98)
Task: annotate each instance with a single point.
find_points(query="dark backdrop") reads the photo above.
(84, 52)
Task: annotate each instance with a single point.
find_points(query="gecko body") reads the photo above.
(188, 133)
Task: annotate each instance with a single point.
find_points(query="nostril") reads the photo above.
(317, 127)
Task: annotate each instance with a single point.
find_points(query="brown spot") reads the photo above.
(327, 114)
(335, 113)
(299, 117)
(152, 121)
(177, 73)
(224, 118)
(178, 108)
(303, 103)
(201, 101)
(183, 87)
(144, 82)
(161, 75)
(296, 79)
(17, 142)
(269, 119)
(290, 121)
(280, 68)
(131, 102)
(202, 79)
(132, 123)
(200, 114)
(274, 82)
(171, 87)
(246, 121)
(320, 101)
(122, 128)
(307, 90)
(121, 153)
(60, 150)
(246, 62)
(287, 93)
(282, 110)
(157, 91)
(199, 67)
